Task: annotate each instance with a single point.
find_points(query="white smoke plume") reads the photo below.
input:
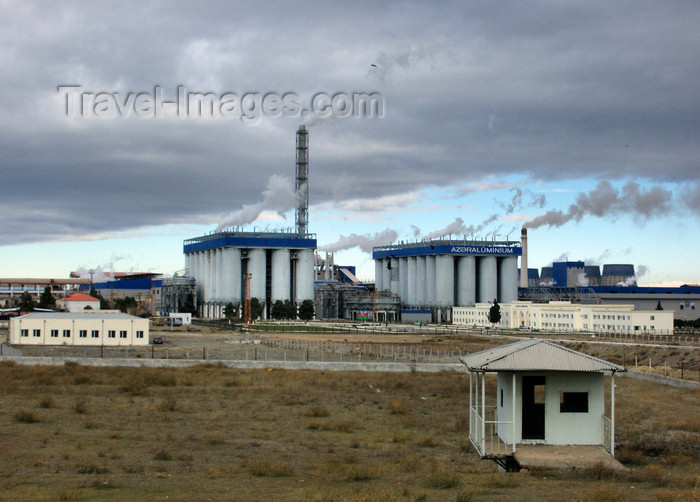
(99, 274)
(279, 195)
(516, 201)
(641, 271)
(582, 280)
(605, 200)
(458, 228)
(364, 242)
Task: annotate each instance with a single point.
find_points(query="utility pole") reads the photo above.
(246, 302)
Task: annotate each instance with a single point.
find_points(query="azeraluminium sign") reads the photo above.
(456, 250)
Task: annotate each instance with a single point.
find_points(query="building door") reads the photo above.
(533, 407)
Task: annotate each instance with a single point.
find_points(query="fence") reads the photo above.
(256, 347)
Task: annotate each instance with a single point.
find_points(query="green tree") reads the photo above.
(47, 300)
(306, 310)
(278, 310)
(495, 312)
(124, 304)
(256, 309)
(26, 302)
(104, 304)
(290, 310)
(658, 306)
(229, 310)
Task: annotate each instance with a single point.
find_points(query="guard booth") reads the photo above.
(546, 394)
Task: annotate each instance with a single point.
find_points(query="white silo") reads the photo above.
(281, 275)
(488, 287)
(304, 275)
(411, 280)
(430, 297)
(444, 280)
(386, 272)
(256, 267)
(508, 279)
(378, 275)
(395, 282)
(420, 280)
(466, 281)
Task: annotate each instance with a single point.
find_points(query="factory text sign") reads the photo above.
(427, 250)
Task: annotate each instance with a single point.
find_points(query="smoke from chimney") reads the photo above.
(364, 242)
(277, 196)
(605, 200)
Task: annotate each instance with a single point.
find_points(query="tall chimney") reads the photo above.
(302, 180)
(523, 259)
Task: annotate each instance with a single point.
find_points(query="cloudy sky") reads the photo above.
(579, 120)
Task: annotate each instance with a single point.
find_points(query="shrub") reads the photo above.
(135, 386)
(168, 404)
(162, 455)
(26, 417)
(442, 480)
(47, 402)
(317, 411)
(427, 442)
(80, 406)
(275, 469)
(397, 407)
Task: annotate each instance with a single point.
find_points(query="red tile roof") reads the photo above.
(80, 297)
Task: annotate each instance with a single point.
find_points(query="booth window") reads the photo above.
(573, 402)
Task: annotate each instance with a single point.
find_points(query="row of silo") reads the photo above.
(275, 274)
(444, 280)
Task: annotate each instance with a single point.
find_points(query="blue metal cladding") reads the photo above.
(457, 250)
(250, 242)
(621, 269)
(145, 283)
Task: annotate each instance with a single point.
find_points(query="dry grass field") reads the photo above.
(212, 433)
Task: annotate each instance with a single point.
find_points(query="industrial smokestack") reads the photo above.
(302, 180)
(523, 259)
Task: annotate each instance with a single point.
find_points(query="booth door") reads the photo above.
(533, 407)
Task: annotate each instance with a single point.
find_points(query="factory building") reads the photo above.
(440, 274)
(273, 265)
(281, 267)
(569, 317)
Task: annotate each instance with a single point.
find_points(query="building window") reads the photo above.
(122, 334)
(24, 332)
(573, 402)
(36, 333)
(111, 334)
(66, 333)
(652, 318)
(139, 334)
(95, 333)
(83, 333)
(54, 333)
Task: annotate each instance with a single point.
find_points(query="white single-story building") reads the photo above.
(546, 394)
(185, 318)
(77, 302)
(569, 317)
(78, 328)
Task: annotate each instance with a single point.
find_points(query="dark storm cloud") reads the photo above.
(549, 91)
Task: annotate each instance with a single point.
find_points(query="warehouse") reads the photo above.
(78, 328)
(443, 273)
